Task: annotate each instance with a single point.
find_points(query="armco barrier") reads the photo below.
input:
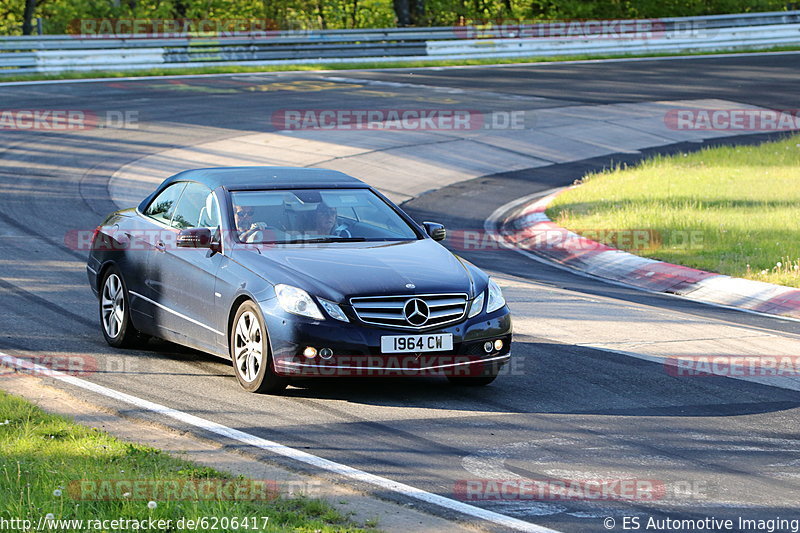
(742, 38)
(58, 53)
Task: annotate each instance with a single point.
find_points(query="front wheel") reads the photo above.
(250, 353)
(115, 314)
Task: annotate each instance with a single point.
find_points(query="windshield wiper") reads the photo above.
(325, 239)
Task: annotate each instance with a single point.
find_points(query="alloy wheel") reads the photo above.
(248, 347)
(113, 306)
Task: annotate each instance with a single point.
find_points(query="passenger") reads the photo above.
(326, 222)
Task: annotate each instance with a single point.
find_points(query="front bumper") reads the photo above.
(356, 347)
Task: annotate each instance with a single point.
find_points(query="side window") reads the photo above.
(165, 203)
(190, 206)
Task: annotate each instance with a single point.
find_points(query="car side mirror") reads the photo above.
(435, 230)
(194, 238)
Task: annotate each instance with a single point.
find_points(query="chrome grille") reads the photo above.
(391, 310)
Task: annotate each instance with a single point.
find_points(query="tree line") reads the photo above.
(25, 17)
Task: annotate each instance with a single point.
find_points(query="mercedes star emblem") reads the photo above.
(417, 312)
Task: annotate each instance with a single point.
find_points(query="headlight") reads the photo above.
(496, 300)
(477, 305)
(297, 301)
(333, 309)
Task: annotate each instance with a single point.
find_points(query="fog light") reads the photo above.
(326, 353)
(310, 352)
(487, 346)
(498, 345)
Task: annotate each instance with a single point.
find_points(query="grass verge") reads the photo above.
(238, 69)
(51, 466)
(731, 210)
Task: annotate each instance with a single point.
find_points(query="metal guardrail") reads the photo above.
(58, 53)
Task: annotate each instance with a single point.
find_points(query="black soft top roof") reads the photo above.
(256, 178)
(243, 178)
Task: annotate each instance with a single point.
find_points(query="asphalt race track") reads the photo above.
(719, 447)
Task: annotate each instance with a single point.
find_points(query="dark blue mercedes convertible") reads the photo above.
(295, 272)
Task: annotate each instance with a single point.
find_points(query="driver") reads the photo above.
(249, 231)
(325, 222)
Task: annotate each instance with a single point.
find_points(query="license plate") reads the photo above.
(439, 342)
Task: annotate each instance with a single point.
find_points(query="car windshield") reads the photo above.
(316, 215)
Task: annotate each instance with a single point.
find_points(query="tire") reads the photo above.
(250, 353)
(115, 313)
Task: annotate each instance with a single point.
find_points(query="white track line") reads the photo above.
(453, 67)
(280, 449)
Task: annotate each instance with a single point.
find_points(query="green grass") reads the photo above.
(741, 205)
(42, 454)
(236, 69)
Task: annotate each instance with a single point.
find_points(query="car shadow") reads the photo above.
(545, 377)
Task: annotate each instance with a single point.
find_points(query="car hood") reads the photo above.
(342, 270)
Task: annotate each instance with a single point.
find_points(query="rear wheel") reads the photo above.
(115, 315)
(249, 347)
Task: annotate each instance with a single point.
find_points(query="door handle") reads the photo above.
(161, 246)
